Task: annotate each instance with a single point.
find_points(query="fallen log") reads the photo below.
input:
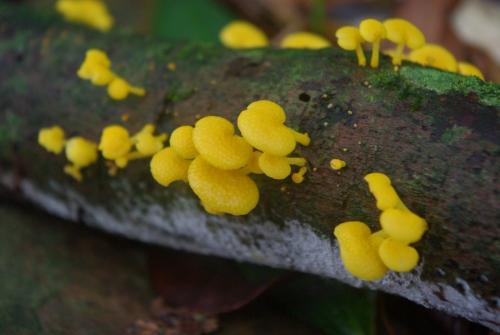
(434, 133)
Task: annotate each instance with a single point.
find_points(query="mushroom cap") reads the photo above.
(372, 30)
(167, 166)
(381, 188)
(402, 225)
(377, 238)
(52, 139)
(435, 56)
(181, 140)
(115, 142)
(398, 256)
(81, 152)
(276, 167)
(214, 139)
(468, 69)
(401, 31)
(93, 58)
(261, 124)
(101, 75)
(242, 35)
(304, 40)
(348, 37)
(118, 88)
(91, 12)
(359, 256)
(146, 143)
(337, 164)
(222, 191)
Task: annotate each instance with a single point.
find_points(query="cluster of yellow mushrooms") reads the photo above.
(241, 35)
(116, 146)
(369, 256)
(93, 13)
(216, 162)
(96, 68)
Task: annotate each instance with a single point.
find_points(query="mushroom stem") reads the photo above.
(137, 90)
(375, 54)
(301, 138)
(298, 161)
(361, 56)
(398, 54)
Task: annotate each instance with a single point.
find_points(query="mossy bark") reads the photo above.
(434, 133)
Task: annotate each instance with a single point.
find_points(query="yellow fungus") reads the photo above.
(398, 256)
(253, 164)
(52, 139)
(93, 59)
(115, 142)
(373, 31)
(167, 166)
(404, 34)
(377, 238)
(469, 70)
(242, 35)
(403, 225)
(119, 89)
(181, 140)
(81, 153)
(278, 167)
(349, 38)
(304, 40)
(358, 255)
(298, 177)
(381, 188)
(337, 164)
(214, 139)
(435, 56)
(222, 191)
(93, 13)
(262, 125)
(146, 143)
(101, 75)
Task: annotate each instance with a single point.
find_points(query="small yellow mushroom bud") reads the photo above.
(398, 256)
(181, 141)
(278, 167)
(93, 13)
(146, 143)
(298, 177)
(359, 256)
(93, 58)
(304, 40)
(262, 125)
(435, 56)
(222, 191)
(337, 164)
(167, 166)
(467, 69)
(81, 153)
(52, 139)
(119, 89)
(381, 188)
(214, 139)
(115, 142)
(242, 35)
(373, 31)
(101, 75)
(403, 33)
(403, 225)
(349, 38)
